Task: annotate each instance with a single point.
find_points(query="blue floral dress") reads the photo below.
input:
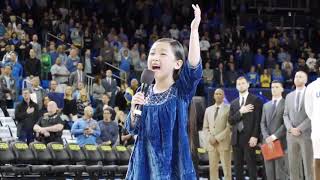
(161, 150)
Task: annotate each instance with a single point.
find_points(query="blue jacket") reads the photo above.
(78, 128)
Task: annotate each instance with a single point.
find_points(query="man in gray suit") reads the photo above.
(272, 128)
(298, 130)
(77, 76)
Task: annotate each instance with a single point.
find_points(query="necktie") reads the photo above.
(240, 125)
(216, 113)
(274, 105)
(298, 102)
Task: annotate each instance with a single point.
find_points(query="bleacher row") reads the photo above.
(58, 160)
(62, 159)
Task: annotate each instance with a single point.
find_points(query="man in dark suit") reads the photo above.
(298, 127)
(272, 128)
(110, 85)
(244, 117)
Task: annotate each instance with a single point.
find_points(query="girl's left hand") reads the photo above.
(197, 17)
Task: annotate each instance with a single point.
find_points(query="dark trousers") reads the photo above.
(3, 107)
(241, 153)
(26, 135)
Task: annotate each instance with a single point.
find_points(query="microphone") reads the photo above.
(147, 78)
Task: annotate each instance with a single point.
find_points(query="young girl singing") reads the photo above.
(161, 149)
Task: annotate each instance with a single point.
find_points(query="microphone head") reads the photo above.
(147, 76)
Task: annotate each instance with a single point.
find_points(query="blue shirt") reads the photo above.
(162, 150)
(78, 129)
(125, 64)
(72, 64)
(109, 131)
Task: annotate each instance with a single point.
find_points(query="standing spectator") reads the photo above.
(7, 80)
(87, 62)
(69, 106)
(77, 76)
(37, 92)
(125, 64)
(33, 65)
(109, 84)
(36, 46)
(82, 102)
(60, 74)
(282, 55)
(109, 128)
(54, 95)
(62, 55)
(26, 115)
(218, 136)
(174, 32)
(53, 52)
(311, 62)
(208, 75)
(277, 74)
(265, 79)
(259, 58)
(17, 71)
(244, 117)
(204, 46)
(86, 129)
(220, 75)
(3, 100)
(107, 53)
(73, 60)
(45, 64)
(253, 77)
(97, 90)
(232, 75)
(298, 126)
(49, 127)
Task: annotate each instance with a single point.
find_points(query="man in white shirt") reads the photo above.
(312, 104)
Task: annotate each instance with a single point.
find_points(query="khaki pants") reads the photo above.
(316, 165)
(225, 157)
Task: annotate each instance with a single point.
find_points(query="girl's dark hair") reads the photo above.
(178, 51)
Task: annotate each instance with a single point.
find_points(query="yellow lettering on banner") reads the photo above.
(90, 147)
(74, 147)
(40, 146)
(4, 146)
(121, 148)
(57, 146)
(21, 146)
(201, 150)
(106, 148)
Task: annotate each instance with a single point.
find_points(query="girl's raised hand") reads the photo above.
(197, 17)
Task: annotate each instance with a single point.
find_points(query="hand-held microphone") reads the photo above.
(146, 80)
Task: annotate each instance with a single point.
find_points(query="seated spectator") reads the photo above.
(54, 95)
(26, 115)
(49, 127)
(253, 77)
(265, 79)
(69, 109)
(86, 130)
(82, 102)
(109, 128)
(125, 138)
(102, 104)
(208, 75)
(97, 89)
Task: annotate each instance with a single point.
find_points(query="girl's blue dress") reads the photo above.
(161, 150)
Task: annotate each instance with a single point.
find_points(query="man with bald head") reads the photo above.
(50, 125)
(298, 127)
(86, 129)
(218, 136)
